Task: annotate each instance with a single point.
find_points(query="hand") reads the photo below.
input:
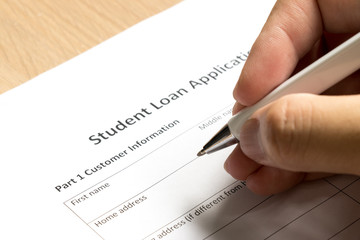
(298, 137)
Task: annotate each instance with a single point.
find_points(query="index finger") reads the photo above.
(291, 30)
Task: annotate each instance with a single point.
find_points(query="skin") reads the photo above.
(299, 137)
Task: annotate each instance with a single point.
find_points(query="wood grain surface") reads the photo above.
(37, 35)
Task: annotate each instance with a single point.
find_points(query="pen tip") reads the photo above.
(201, 153)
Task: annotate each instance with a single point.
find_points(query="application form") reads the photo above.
(104, 146)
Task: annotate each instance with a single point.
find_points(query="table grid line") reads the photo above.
(232, 221)
(344, 228)
(182, 215)
(298, 217)
(303, 214)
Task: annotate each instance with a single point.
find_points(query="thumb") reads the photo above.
(306, 133)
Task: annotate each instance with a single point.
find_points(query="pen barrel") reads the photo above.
(316, 78)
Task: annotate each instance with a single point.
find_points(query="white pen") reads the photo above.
(316, 78)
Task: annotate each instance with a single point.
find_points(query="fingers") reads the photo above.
(260, 179)
(340, 16)
(239, 166)
(290, 32)
(299, 133)
(306, 133)
(269, 180)
(297, 138)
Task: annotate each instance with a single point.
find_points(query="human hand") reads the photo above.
(298, 137)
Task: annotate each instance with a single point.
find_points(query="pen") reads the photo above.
(316, 78)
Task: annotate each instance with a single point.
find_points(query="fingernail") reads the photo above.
(250, 140)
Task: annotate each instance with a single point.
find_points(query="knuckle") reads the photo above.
(288, 129)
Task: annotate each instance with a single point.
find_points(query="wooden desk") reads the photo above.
(37, 35)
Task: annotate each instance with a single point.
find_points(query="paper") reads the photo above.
(104, 146)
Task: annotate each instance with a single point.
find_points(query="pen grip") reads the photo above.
(316, 78)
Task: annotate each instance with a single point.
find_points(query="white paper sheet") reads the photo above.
(104, 146)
